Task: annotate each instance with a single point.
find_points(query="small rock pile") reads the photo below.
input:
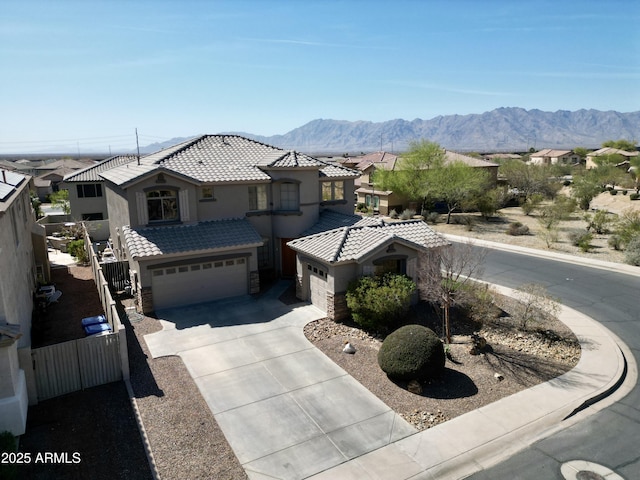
(325, 328)
(541, 344)
(422, 420)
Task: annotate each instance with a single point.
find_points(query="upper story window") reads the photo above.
(162, 205)
(89, 190)
(289, 196)
(257, 197)
(206, 193)
(332, 191)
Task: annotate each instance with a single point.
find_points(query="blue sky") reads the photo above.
(81, 76)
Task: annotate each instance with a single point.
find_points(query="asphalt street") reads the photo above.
(605, 444)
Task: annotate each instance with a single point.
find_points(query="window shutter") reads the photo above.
(183, 200)
(411, 268)
(143, 213)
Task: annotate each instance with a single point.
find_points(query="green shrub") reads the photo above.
(76, 249)
(432, 217)
(632, 252)
(615, 242)
(634, 196)
(377, 303)
(599, 221)
(517, 228)
(624, 192)
(613, 192)
(393, 214)
(581, 239)
(412, 352)
(407, 214)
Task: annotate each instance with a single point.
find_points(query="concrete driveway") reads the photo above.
(286, 409)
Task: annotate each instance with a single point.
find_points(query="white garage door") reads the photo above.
(318, 287)
(200, 282)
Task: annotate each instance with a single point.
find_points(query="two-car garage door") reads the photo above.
(199, 282)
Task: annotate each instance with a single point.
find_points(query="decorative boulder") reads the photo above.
(412, 352)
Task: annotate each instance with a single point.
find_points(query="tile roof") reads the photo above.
(549, 152)
(612, 151)
(450, 157)
(330, 219)
(9, 181)
(90, 174)
(223, 159)
(353, 243)
(185, 239)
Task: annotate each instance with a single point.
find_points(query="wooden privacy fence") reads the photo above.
(71, 366)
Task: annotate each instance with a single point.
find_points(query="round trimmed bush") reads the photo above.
(412, 352)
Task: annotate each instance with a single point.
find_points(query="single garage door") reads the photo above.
(318, 287)
(199, 282)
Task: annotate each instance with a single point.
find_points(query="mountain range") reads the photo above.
(509, 129)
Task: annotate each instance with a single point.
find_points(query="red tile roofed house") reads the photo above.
(22, 250)
(203, 219)
(549, 156)
(329, 259)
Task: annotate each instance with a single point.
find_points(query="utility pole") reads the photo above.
(137, 146)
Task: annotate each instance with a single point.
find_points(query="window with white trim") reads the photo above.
(332, 191)
(289, 196)
(162, 205)
(257, 197)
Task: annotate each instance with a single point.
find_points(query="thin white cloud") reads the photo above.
(451, 89)
(305, 43)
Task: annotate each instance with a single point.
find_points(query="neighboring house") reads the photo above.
(330, 256)
(42, 188)
(87, 197)
(205, 219)
(608, 151)
(549, 156)
(55, 177)
(384, 201)
(23, 258)
(501, 157)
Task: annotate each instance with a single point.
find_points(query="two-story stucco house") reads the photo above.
(23, 257)
(205, 219)
(87, 198)
(549, 156)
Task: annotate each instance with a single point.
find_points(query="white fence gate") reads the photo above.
(75, 365)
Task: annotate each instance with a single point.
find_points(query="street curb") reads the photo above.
(548, 254)
(482, 438)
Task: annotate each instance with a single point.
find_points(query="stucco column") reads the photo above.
(13, 387)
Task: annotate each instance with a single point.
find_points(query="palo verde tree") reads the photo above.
(622, 144)
(529, 179)
(457, 183)
(412, 175)
(446, 274)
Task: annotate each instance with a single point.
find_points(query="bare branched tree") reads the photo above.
(445, 273)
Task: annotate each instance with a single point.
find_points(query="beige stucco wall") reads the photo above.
(17, 264)
(80, 206)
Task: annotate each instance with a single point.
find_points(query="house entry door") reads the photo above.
(288, 258)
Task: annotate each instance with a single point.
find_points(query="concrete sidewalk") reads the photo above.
(289, 412)
(484, 437)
